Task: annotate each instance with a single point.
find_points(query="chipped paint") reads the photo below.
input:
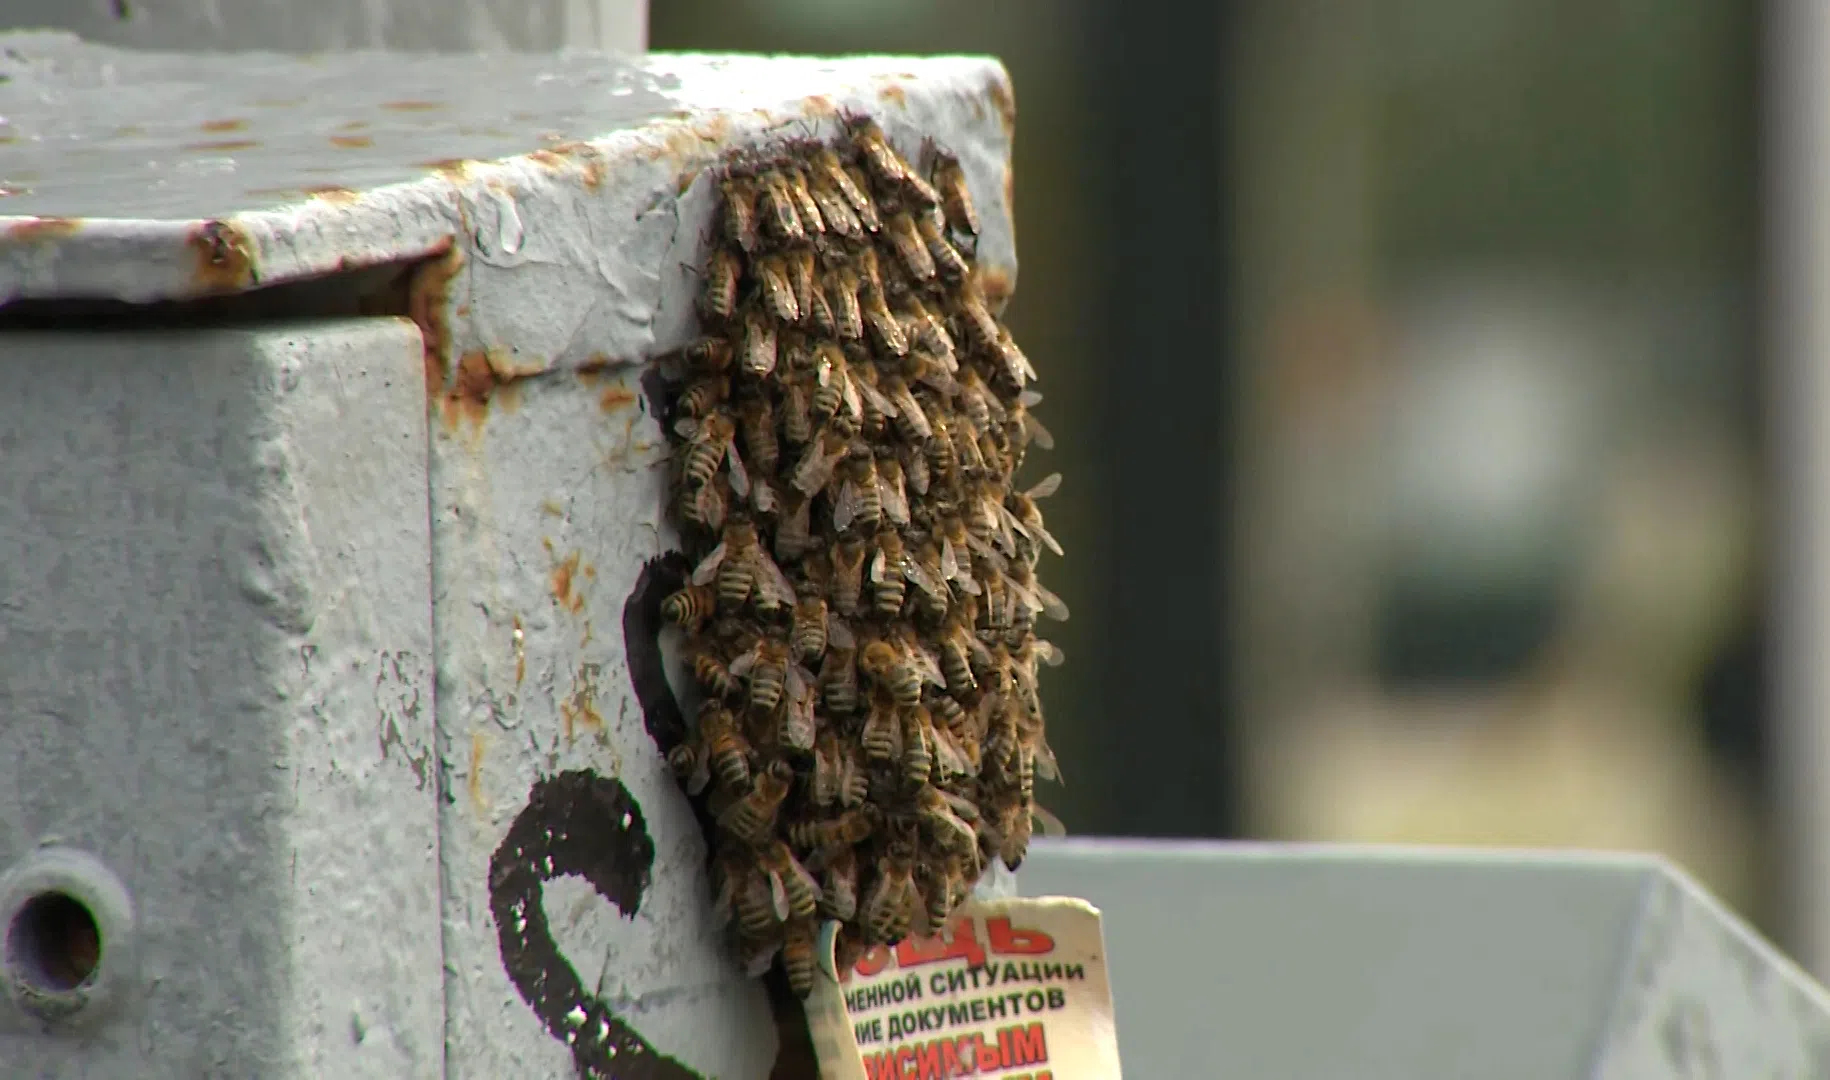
(236, 124)
(473, 783)
(40, 230)
(428, 294)
(579, 709)
(223, 145)
(520, 653)
(565, 577)
(351, 142)
(224, 258)
(616, 397)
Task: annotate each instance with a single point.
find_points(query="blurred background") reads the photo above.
(1405, 360)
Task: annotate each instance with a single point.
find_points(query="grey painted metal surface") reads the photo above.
(215, 618)
(1309, 961)
(538, 217)
(326, 25)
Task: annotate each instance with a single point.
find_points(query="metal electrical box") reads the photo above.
(332, 701)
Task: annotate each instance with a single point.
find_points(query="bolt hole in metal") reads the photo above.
(53, 943)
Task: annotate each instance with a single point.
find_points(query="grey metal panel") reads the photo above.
(215, 656)
(1319, 962)
(292, 26)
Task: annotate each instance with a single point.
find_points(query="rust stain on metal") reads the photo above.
(353, 125)
(411, 106)
(1010, 194)
(616, 397)
(232, 124)
(456, 169)
(13, 189)
(224, 145)
(128, 131)
(427, 293)
(333, 194)
(224, 257)
(483, 377)
(565, 581)
(893, 93)
(1006, 102)
(551, 508)
(996, 286)
(580, 706)
(351, 142)
(593, 368)
(820, 105)
(38, 230)
(520, 653)
(479, 745)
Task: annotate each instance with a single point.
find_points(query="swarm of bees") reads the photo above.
(861, 618)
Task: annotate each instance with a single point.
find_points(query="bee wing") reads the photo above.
(742, 665)
(815, 469)
(1049, 603)
(914, 414)
(917, 473)
(948, 755)
(740, 476)
(925, 581)
(877, 399)
(766, 501)
(708, 566)
(1037, 433)
(710, 506)
(895, 498)
(845, 507)
(1045, 487)
(879, 562)
(796, 868)
(934, 373)
(687, 426)
(925, 665)
(722, 903)
(1047, 538)
(949, 561)
(1051, 825)
(1046, 765)
(1048, 653)
(838, 633)
(1029, 399)
(778, 895)
(756, 965)
(773, 582)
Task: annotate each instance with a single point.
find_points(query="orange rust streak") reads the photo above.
(616, 397)
(565, 579)
(593, 368)
(332, 193)
(38, 230)
(351, 142)
(1007, 106)
(411, 106)
(426, 296)
(469, 396)
(478, 744)
(222, 125)
(224, 144)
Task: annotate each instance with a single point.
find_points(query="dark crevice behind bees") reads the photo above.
(861, 616)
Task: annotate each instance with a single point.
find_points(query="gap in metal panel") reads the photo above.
(373, 292)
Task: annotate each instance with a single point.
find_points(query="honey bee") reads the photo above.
(891, 491)
(740, 212)
(722, 272)
(704, 395)
(797, 413)
(870, 276)
(766, 668)
(709, 444)
(911, 250)
(1028, 428)
(955, 199)
(887, 908)
(808, 630)
(793, 891)
(744, 891)
(798, 725)
(841, 287)
(877, 409)
(942, 255)
(690, 607)
(942, 459)
(839, 886)
(1031, 594)
(706, 506)
(881, 736)
(724, 749)
(759, 351)
(1016, 365)
(875, 151)
(833, 384)
(917, 745)
(868, 214)
(883, 323)
(898, 668)
(953, 756)
(910, 418)
(818, 308)
(797, 955)
(958, 735)
(827, 169)
(756, 422)
(711, 355)
(837, 777)
(860, 500)
(792, 532)
(840, 216)
(956, 555)
(888, 587)
(776, 288)
(687, 760)
(945, 815)
(847, 575)
(924, 570)
(915, 466)
(796, 182)
(1029, 516)
(839, 678)
(711, 673)
(826, 837)
(977, 401)
(741, 567)
(751, 817)
(981, 329)
(779, 211)
(958, 650)
(819, 462)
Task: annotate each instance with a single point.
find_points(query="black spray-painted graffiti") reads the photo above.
(588, 826)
